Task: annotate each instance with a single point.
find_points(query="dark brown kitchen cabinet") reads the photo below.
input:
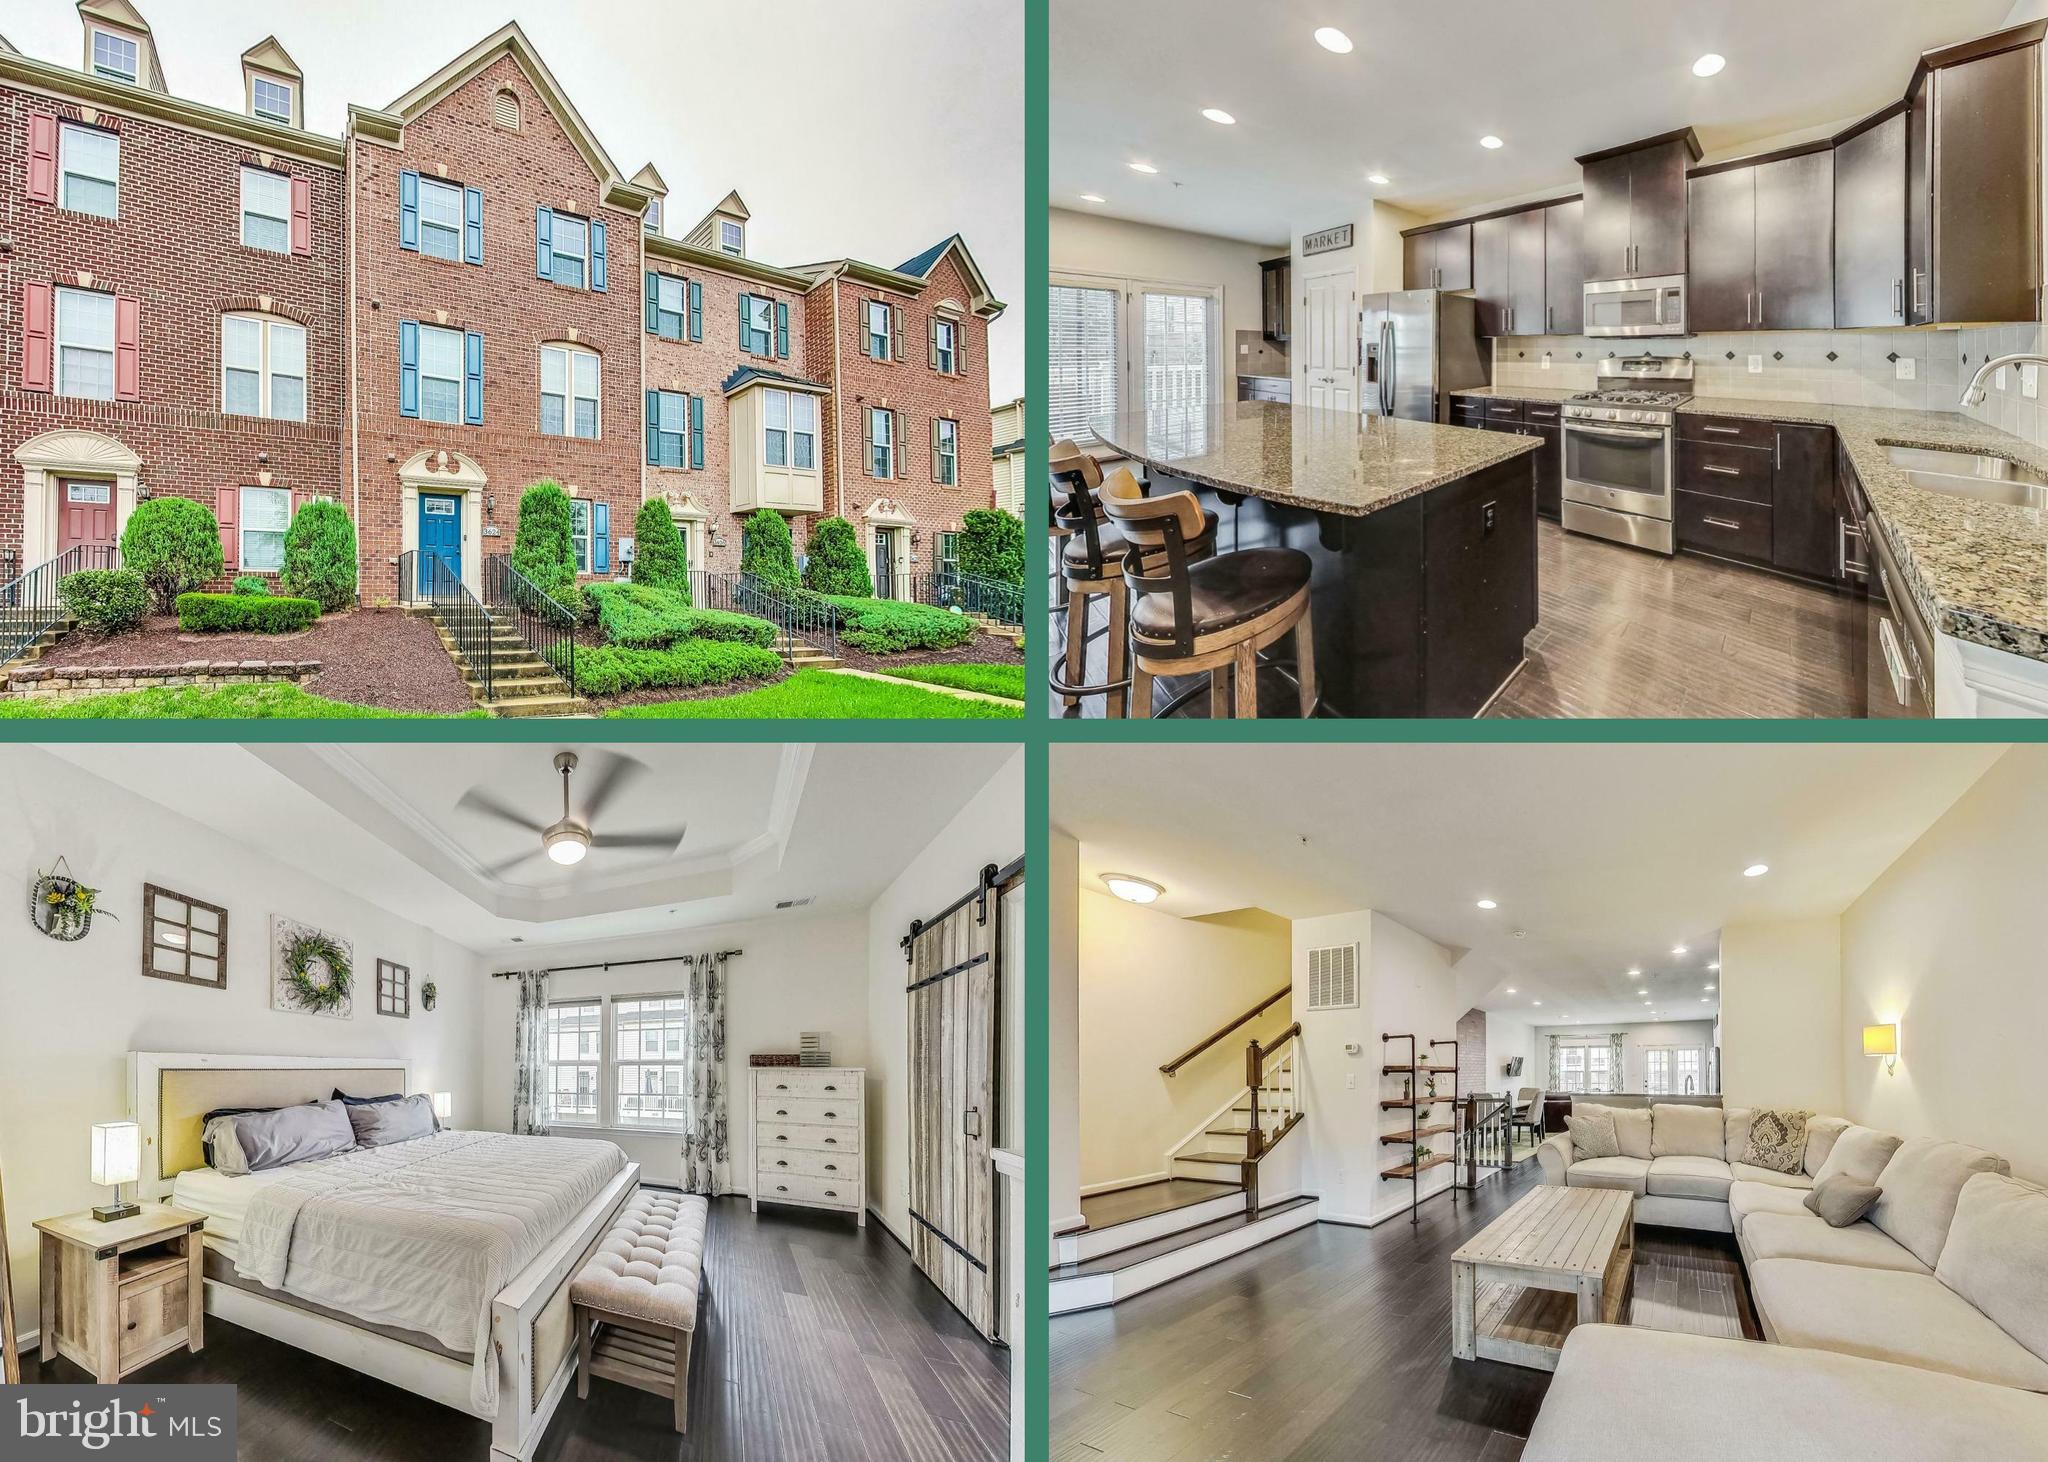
(1758, 490)
(1760, 244)
(1274, 275)
(1490, 274)
(1507, 272)
(1973, 171)
(1803, 501)
(1635, 200)
(1870, 224)
(1722, 282)
(1564, 267)
(1438, 258)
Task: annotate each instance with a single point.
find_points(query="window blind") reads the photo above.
(1081, 358)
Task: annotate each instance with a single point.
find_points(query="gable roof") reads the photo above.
(921, 265)
(125, 16)
(270, 55)
(8, 46)
(651, 180)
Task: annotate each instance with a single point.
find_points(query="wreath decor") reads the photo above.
(60, 906)
(301, 954)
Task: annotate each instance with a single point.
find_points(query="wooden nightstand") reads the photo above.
(116, 1296)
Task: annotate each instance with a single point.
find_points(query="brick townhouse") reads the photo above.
(461, 296)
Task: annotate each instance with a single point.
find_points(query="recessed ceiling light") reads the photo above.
(1488, 904)
(1219, 116)
(1709, 65)
(1143, 167)
(1332, 39)
(1535, 1002)
(1489, 141)
(1756, 870)
(1715, 965)
(1093, 198)
(1511, 989)
(1131, 889)
(1378, 180)
(1678, 949)
(1705, 1001)
(1636, 973)
(1706, 987)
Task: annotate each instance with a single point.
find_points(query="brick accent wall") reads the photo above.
(1472, 1068)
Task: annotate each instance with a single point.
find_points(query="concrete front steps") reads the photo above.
(1130, 1258)
(43, 643)
(1010, 632)
(523, 684)
(804, 655)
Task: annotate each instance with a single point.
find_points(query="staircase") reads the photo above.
(522, 683)
(802, 654)
(15, 626)
(1011, 632)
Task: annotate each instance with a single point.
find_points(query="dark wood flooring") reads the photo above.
(815, 1340)
(1124, 1204)
(1334, 1344)
(1624, 633)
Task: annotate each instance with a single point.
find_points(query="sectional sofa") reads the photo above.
(1919, 1331)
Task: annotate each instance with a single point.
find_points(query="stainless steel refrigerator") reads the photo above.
(1420, 345)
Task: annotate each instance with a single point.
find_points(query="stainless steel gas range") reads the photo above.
(1620, 461)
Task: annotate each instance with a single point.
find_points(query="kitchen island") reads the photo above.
(1422, 537)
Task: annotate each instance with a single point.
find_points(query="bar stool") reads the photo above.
(1092, 562)
(1215, 614)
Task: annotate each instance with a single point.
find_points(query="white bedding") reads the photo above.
(223, 1199)
(421, 1235)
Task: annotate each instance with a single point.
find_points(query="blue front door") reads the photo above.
(440, 535)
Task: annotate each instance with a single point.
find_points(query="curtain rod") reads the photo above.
(614, 964)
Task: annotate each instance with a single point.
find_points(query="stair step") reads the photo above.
(1093, 1283)
(536, 705)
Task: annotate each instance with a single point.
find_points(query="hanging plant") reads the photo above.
(429, 993)
(60, 906)
(316, 972)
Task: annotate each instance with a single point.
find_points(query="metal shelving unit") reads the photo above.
(1417, 1104)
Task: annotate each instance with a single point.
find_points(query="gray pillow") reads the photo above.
(1593, 1135)
(1821, 1133)
(253, 1142)
(1841, 1200)
(378, 1124)
(1859, 1152)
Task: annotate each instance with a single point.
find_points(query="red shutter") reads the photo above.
(227, 503)
(300, 497)
(127, 348)
(302, 215)
(36, 361)
(42, 158)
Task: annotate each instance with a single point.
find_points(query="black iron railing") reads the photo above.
(990, 598)
(431, 579)
(29, 604)
(799, 614)
(99, 555)
(543, 623)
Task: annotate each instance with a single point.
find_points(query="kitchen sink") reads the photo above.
(1972, 475)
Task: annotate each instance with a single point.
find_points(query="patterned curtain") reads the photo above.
(1556, 1075)
(704, 1136)
(530, 1056)
(1614, 1074)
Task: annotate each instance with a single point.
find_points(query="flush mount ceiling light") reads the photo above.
(1132, 890)
(1756, 870)
(1490, 142)
(1378, 180)
(1219, 116)
(1332, 39)
(1093, 198)
(1709, 65)
(1488, 904)
(1678, 949)
(1143, 167)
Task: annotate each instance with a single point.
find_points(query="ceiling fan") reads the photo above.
(568, 840)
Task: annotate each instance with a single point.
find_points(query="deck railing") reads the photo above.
(29, 604)
(544, 623)
(431, 579)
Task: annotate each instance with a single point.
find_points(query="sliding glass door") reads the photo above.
(1177, 346)
(1122, 345)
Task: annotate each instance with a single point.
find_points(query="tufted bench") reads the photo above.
(636, 1300)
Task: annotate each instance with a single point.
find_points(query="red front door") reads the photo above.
(85, 516)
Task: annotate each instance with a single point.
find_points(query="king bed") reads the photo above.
(440, 1264)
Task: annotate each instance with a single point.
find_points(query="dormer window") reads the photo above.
(116, 56)
(270, 100)
(731, 237)
(652, 217)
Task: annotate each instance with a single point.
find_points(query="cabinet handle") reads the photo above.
(782, 1187)
(1919, 300)
(779, 1137)
(781, 1112)
(1747, 298)
(831, 1167)
(1725, 431)
(782, 1162)
(1781, 450)
(780, 1087)
(831, 1192)
(831, 1141)
(1725, 471)
(1899, 298)
(1722, 523)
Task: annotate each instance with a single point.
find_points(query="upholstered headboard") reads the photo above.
(171, 1093)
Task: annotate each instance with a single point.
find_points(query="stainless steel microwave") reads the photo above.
(1636, 306)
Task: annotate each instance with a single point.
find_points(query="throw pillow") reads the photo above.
(1841, 1200)
(1821, 1133)
(1592, 1130)
(1679, 1129)
(1921, 1184)
(1777, 1139)
(1632, 1131)
(1859, 1152)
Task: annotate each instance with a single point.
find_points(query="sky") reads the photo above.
(862, 128)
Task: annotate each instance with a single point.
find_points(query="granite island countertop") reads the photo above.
(1519, 393)
(1324, 461)
(1978, 570)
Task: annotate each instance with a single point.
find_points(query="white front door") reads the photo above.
(1329, 333)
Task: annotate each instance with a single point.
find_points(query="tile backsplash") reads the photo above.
(1258, 356)
(1840, 367)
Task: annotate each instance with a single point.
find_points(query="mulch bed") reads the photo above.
(981, 650)
(369, 657)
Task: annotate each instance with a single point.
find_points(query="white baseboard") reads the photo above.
(1378, 1217)
(1117, 1185)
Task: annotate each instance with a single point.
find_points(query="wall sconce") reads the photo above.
(491, 505)
(1883, 1040)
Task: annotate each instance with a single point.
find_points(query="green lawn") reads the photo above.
(821, 695)
(1003, 680)
(267, 701)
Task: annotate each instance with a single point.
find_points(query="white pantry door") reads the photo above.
(1329, 314)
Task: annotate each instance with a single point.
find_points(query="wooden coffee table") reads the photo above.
(1558, 1258)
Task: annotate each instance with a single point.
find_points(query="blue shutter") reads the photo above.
(408, 368)
(544, 242)
(409, 211)
(697, 431)
(652, 307)
(653, 427)
(597, 257)
(600, 538)
(696, 310)
(473, 379)
(473, 225)
(781, 330)
(743, 324)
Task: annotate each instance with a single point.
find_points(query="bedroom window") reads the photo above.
(574, 1055)
(649, 1036)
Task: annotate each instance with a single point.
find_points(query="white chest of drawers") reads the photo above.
(810, 1131)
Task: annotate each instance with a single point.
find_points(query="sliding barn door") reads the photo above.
(953, 1004)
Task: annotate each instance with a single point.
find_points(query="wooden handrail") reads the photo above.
(1257, 1010)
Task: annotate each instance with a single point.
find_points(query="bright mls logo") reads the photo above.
(159, 1423)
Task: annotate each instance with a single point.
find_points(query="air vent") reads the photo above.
(505, 110)
(792, 903)
(1333, 978)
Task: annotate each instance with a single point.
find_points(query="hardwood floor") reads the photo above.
(1334, 1344)
(1124, 1204)
(814, 1340)
(1624, 633)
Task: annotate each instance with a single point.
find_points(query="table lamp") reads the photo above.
(444, 1107)
(116, 1159)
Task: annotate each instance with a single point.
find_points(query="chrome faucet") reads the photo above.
(1973, 394)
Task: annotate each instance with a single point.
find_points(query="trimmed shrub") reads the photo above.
(174, 543)
(643, 618)
(263, 614)
(320, 556)
(992, 545)
(835, 564)
(251, 584)
(107, 600)
(658, 560)
(542, 549)
(884, 626)
(616, 669)
(766, 550)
